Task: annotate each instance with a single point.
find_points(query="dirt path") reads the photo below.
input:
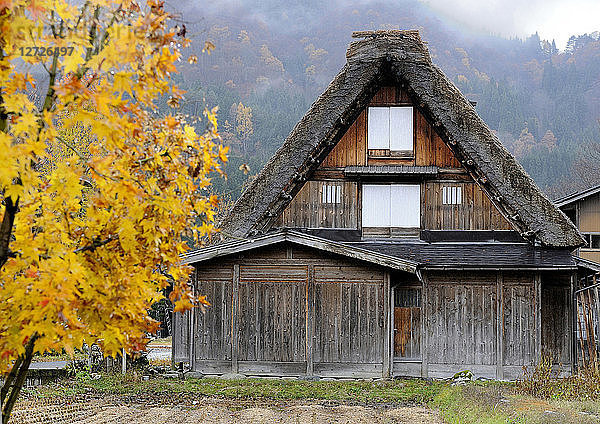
(101, 411)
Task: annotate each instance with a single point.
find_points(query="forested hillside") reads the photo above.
(271, 62)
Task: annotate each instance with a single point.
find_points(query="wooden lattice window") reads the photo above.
(451, 195)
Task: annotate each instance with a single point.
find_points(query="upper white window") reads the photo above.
(451, 195)
(391, 205)
(390, 128)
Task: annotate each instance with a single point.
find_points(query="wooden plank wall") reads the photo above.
(348, 315)
(302, 311)
(589, 214)
(181, 337)
(556, 317)
(476, 212)
(429, 148)
(277, 331)
(306, 210)
(462, 314)
(213, 327)
(494, 323)
(352, 147)
(519, 306)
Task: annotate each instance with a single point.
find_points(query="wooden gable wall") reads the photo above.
(429, 148)
(476, 212)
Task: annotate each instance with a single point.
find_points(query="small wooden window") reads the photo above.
(331, 194)
(390, 128)
(451, 195)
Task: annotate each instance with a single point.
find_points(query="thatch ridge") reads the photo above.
(402, 57)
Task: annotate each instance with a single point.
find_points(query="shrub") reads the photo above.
(544, 382)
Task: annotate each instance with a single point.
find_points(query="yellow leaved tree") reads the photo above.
(91, 229)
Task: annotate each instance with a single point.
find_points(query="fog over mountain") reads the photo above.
(274, 58)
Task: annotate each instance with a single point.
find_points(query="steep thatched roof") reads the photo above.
(401, 58)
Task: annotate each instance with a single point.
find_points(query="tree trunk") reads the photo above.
(15, 380)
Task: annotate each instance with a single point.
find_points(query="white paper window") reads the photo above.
(401, 128)
(378, 123)
(376, 205)
(390, 128)
(451, 195)
(395, 205)
(331, 193)
(405, 205)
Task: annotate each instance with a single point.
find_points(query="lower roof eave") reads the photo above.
(496, 268)
(232, 247)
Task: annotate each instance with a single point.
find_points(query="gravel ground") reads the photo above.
(214, 411)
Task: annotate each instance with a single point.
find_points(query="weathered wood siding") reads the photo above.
(520, 301)
(293, 311)
(493, 323)
(181, 336)
(298, 311)
(271, 323)
(308, 210)
(213, 327)
(462, 315)
(556, 317)
(475, 212)
(348, 315)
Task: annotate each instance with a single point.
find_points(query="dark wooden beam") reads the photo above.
(499, 327)
(235, 319)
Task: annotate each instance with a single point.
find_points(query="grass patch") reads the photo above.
(477, 403)
(398, 392)
(495, 403)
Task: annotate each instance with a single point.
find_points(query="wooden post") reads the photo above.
(424, 328)
(310, 327)
(193, 324)
(573, 323)
(537, 285)
(499, 327)
(387, 306)
(124, 362)
(235, 319)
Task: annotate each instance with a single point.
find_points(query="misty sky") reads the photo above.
(552, 19)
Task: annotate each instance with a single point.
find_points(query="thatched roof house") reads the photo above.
(391, 234)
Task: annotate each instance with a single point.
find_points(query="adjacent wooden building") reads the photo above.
(391, 235)
(583, 208)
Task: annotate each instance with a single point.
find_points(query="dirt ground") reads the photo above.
(214, 411)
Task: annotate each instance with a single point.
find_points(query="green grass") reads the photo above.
(495, 403)
(376, 392)
(477, 403)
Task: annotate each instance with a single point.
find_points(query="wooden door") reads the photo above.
(407, 323)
